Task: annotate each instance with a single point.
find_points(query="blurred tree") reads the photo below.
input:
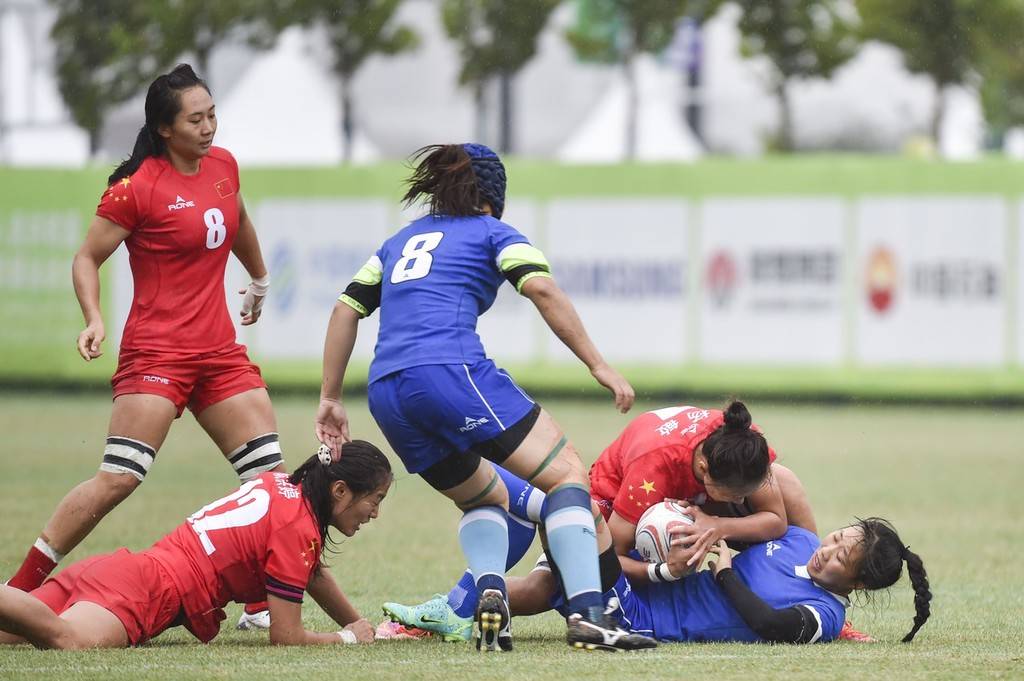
(197, 26)
(496, 39)
(106, 51)
(616, 31)
(948, 40)
(1002, 88)
(109, 50)
(355, 30)
(802, 39)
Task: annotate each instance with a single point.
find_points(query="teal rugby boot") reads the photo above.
(434, 615)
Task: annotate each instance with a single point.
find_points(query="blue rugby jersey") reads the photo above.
(433, 280)
(696, 609)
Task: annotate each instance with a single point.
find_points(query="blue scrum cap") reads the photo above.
(490, 176)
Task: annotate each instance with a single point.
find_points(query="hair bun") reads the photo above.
(737, 417)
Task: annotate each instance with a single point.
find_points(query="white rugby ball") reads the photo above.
(652, 531)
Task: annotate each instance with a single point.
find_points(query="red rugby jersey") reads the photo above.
(182, 229)
(652, 460)
(262, 539)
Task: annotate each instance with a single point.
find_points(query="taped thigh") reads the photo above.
(258, 455)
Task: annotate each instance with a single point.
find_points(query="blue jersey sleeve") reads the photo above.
(515, 257)
(830, 615)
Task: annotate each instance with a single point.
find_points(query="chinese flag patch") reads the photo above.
(224, 188)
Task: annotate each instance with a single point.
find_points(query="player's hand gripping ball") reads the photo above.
(653, 531)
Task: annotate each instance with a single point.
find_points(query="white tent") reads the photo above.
(662, 134)
(286, 110)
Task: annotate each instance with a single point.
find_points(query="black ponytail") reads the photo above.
(737, 455)
(443, 177)
(361, 466)
(883, 554)
(163, 102)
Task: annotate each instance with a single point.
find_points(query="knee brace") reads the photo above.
(258, 455)
(125, 455)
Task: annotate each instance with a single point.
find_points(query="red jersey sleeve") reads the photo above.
(120, 204)
(645, 482)
(293, 552)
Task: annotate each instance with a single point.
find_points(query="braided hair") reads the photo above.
(737, 455)
(883, 556)
(455, 180)
(163, 102)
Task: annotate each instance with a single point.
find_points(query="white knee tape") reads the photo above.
(125, 455)
(258, 455)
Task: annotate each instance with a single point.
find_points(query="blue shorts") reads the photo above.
(427, 413)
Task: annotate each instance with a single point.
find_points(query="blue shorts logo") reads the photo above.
(473, 424)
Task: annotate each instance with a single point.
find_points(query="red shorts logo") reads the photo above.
(156, 379)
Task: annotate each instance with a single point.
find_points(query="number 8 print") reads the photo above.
(216, 230)
(416, 258)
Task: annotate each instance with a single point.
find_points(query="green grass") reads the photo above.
(949, 478)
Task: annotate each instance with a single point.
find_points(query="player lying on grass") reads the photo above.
(714, 458)
(793, 589)
(789, 590)
(264, 541)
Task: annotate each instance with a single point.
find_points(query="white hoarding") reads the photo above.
(623, 263)
(931, 281)
(771, 273)
(313, 247)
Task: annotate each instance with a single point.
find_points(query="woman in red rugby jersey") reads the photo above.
(176, 205)
(263, 541)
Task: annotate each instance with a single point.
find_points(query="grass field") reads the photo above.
(949, 478)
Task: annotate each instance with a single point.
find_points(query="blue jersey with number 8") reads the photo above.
(432, 281)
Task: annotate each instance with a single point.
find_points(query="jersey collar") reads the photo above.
(801, 571)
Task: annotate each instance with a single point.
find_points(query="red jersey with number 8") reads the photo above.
(182, 230)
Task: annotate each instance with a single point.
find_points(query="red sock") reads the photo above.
(253, 608)
(34, 571)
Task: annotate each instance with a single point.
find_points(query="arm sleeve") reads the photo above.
(515, 257)
(522, 262)
(363, 294)
(645, 481)
(797, 624)
(119, 204)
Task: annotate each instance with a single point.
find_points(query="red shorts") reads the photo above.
(195, 381)
(133, 586)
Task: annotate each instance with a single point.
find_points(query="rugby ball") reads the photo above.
(652, 531)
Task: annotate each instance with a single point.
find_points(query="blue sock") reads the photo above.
(524, 500)
(483, 535)
(572, 540)
(463, 597)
